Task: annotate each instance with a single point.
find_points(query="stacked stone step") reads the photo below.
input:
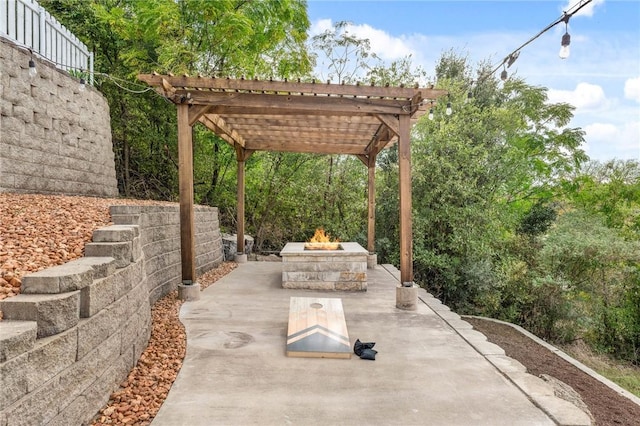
(52, 297)
(71, 325)
(56, 298)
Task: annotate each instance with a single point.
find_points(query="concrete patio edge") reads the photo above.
(538, 391)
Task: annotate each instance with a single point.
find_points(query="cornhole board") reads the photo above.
(317, 328)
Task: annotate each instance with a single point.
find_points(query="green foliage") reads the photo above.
(537, 220)
(228, 37)
(472, 172)
(612, 190)
(231, 37)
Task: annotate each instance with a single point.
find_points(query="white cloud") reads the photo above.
(601, 131)
(385, 45)
(382, 43)
(585, 96)
(603, 139)
(320, 26)
(586, 10)
(632, 89)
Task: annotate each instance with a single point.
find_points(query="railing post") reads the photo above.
(42, 44)
(91, 68)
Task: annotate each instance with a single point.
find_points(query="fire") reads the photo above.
(321, 237)
(322, 241)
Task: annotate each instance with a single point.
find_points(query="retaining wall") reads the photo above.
(54, 138)
(76, 330)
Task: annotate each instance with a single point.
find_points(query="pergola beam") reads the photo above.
(289, 87)
(269, 104)
(225, 129)
(390, 121)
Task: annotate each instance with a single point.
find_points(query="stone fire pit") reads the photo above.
(342, 269)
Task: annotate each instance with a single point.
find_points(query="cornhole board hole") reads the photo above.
(317, 328)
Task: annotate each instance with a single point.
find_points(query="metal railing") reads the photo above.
(26, 23)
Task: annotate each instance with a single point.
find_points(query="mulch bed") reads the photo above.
(606, 405)
(141, 395)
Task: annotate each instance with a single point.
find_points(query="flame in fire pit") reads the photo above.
(322, 241)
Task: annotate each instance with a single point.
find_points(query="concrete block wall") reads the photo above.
(160, 242)
(54, 138)
(76, 330)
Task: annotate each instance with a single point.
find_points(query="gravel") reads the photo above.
(40, 231)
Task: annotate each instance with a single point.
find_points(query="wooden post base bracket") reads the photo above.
(317, 328)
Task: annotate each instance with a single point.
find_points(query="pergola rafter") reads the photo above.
(324, 118)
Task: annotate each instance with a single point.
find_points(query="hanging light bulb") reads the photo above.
(503, 75)
(33, 71)
(566, 38)
(469, 97)
(564, 46)
(448, 111)
(82, 85)
(430, 113)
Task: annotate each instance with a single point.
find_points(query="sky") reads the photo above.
(600, 78)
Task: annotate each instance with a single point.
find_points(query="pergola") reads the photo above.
(260, 115)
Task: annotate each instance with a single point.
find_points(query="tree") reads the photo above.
(610, 189)
(476, 172)
(230, 38)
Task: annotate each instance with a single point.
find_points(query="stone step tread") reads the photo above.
(54, 313)
(125, 219)
(16, 337)
(63, 278)
(116, 233)
(102, 265)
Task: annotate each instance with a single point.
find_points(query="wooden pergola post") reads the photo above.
(241, 155)
(406, 294)
(240, 201)
(371, 192)
(185, 181)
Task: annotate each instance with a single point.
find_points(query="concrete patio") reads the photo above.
(431, 367)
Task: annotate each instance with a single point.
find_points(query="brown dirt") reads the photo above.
(607, 406)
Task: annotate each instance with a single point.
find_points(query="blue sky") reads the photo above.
(601, 77)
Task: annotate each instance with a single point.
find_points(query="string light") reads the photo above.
(431, 114)
(564, 51)
(33, 71)
(566, 40)
(449, 110)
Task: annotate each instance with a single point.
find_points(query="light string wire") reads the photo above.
(511, 57)
(84, 72)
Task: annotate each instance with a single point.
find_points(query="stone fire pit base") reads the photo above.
(344, 269)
